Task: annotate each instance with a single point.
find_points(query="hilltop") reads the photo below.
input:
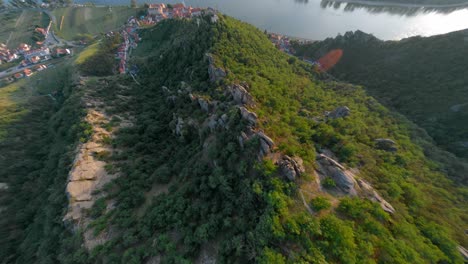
(219, 148)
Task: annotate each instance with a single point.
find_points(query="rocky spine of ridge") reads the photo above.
(291, 168)
(89, 173)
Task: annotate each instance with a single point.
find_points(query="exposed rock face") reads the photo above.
(88, 173)
(3, 186)
(386, 144)
(204, 104)
(464, 252)
(344, 179)
(216, 74)
(242, 139)
(291, 168)
(266, 144)
(180, 124)
(369, 192)
(251, 117)
(339, 112)
(347, 182)
(240, 95)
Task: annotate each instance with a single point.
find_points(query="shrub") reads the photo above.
(329, 183)
(319, 203)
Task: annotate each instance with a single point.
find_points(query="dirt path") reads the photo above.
(19, 21)
(305, 203)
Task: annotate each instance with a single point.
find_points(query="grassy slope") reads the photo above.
(422, 78)
(20, 24)
(90, 20)
(282, 95)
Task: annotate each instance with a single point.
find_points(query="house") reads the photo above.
(156, 9)
(62, 52)
(196, 12)
(214, 18)
(34, 59)
(27, 72)
(18, 75)
(178, 6)
(40, 67)
(24, 47)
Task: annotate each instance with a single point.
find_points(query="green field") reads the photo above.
(90, 20)
(17, 26)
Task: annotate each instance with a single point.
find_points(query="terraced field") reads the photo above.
(17, 26)
(72, 21)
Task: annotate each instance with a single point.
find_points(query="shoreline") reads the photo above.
(394, 4)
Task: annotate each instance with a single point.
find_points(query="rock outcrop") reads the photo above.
(386, 144)
(370, 193)
(3, 186)
(215, 73)
(266, 143)
(340, 112)
(464, 252)
(344, 179)
(247, 115)
(348, 183)
(88, 173)
(240, 95)
(290, 168)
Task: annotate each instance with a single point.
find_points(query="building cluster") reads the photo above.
(161, 11)
(283, 43)
(26, 72)
(7, 55)
(130, 41)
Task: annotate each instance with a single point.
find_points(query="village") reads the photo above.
(31, 60)
(155, 13)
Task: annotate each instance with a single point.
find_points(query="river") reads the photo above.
(318, 19)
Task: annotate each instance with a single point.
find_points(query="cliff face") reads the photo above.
(223, 149)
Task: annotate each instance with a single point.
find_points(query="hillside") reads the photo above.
(225, 150)
(75, 21)
(420, 77)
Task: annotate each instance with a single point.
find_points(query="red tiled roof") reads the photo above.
(179, 5)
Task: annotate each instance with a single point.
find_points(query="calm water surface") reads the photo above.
(316, 19)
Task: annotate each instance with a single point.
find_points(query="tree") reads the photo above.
(133, 3)
(2, 4)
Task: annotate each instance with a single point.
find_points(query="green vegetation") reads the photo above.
(98, 59)
(219, 198)
(421, 78)
(320, 203)
(18, 26)
(37, 137)
(90, 20)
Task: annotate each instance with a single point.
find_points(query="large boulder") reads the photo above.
(290, 168)
(266, 144)
(240, 95)
(204, 104)
(343, 178)
(339, 112)
(386, 144)
(3, 186)
(250, 117)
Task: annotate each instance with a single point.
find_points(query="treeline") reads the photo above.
(37, 152)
